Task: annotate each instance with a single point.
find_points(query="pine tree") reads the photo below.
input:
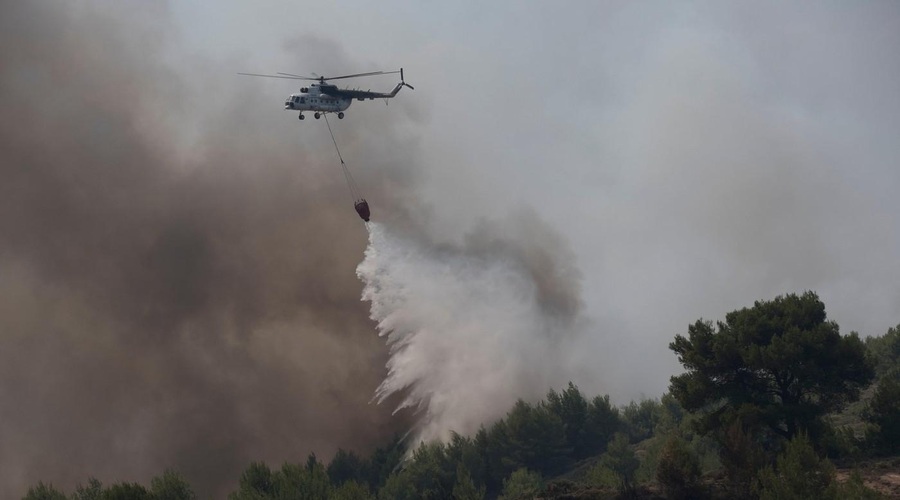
(465, 489)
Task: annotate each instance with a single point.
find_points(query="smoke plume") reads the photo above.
(176, 267)
(472, 327)
(176, 284)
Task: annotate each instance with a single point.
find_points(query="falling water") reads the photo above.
(467, 330)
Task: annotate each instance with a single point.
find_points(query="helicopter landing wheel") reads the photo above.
(317, 115)
(341, 115)
(301, 117)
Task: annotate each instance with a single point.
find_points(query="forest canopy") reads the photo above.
(755, 408)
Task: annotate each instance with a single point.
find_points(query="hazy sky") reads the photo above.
(177, 263)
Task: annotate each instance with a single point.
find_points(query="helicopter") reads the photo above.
(323, 97)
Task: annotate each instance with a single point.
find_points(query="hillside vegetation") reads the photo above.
(774, 403)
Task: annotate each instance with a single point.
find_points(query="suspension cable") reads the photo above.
(351, 184)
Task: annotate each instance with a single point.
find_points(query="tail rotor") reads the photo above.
(402, 82)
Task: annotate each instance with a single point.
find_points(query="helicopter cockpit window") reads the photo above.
(296, 99)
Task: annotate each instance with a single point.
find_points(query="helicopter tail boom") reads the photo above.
(396, 90)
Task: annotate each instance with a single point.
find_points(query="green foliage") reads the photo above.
(44, 492)
(351, 490)
(467, 453)
(741, 458)
(647, 453)
(346, 466)
(779, 367)
(641, 419)
(312, 461)
(531, 436)
(603, 421)
(588, 426)
(292, 481)
(383, 462)
(256, 482)
(126, 491)
(841, 442)
(531, 441)
(572, 410)
(675, 421)
(435, 470)
(432, 474)
(799, 474)
(465, 489)
(883, 411)
(621, 461)
(537, 438)
(603, 477)
(678, 470)
(855, 489)
(92, 491)
(171, 486)
(398, 486)
(765, 375)
(295, 482)
(522, 484)
(671, 415)
(885, 351)
(491, 469)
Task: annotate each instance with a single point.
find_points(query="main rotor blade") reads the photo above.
(293, 77)
(360, 74)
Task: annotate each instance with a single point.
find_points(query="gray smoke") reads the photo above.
(176, 283)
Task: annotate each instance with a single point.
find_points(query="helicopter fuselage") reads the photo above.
(313, 99)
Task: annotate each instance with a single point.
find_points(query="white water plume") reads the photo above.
(469, 330)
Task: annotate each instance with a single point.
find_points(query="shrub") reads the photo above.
(678, 470)
(522, 484)
(799, 474)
